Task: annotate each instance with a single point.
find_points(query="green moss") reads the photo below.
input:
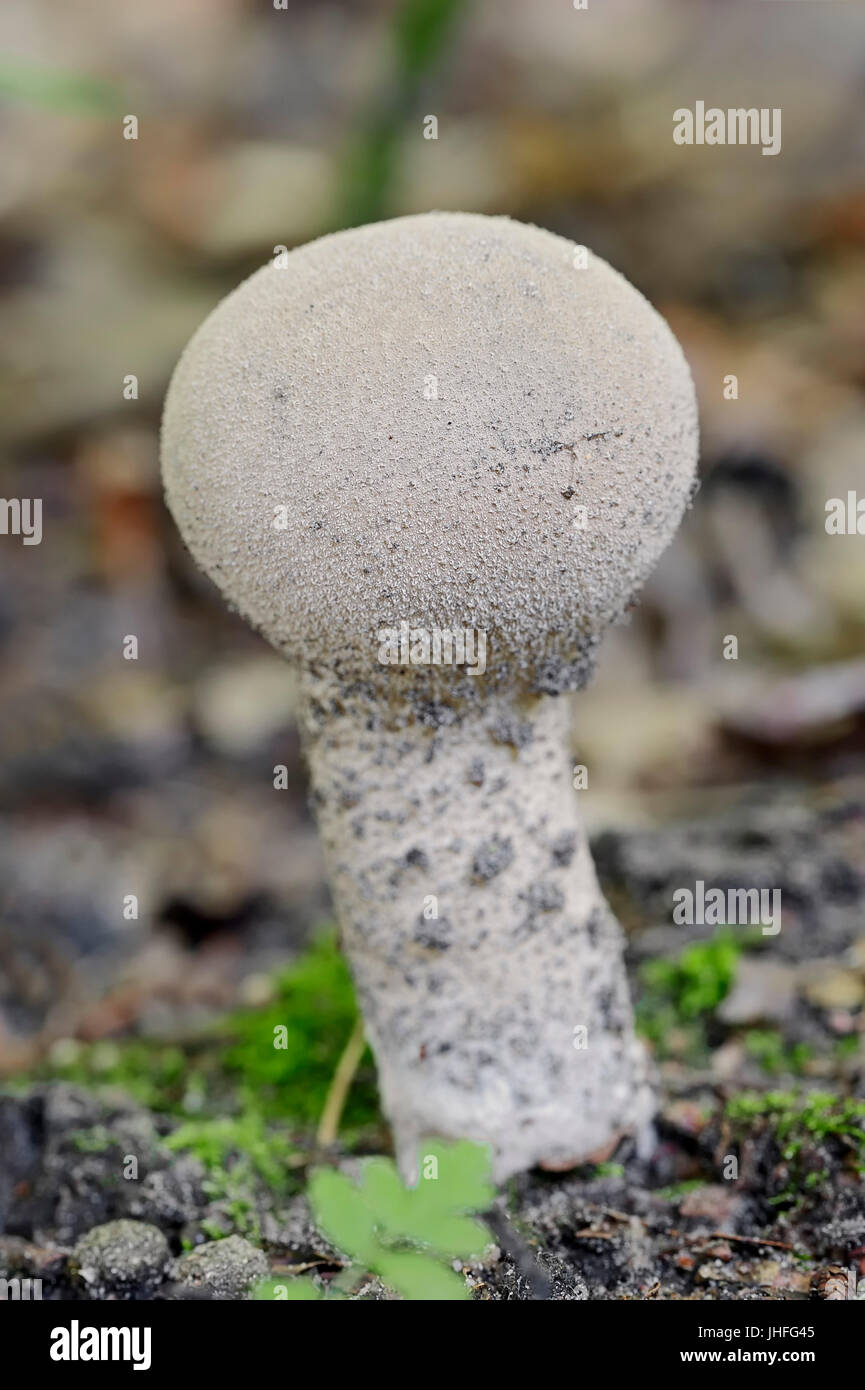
(226, 1140)
(158, 1076)
(767, 1046)
(678, 1191)
(287, 1052)
(801, 1124)
(608, 1170)
(214, 1230)
(680, 993)
(270, 1064)
(95, 1140)
(240, 1154)
(820, 1114)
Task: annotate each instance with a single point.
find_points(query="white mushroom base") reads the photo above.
(488, 965)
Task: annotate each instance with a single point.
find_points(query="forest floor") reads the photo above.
(753, 1187)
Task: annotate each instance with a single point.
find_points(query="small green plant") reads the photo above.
(405, 1235)
(420, 30)
(58, 91)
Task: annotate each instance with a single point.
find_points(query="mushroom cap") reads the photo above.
(400, 425)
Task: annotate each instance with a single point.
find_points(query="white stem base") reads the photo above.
(488, 965)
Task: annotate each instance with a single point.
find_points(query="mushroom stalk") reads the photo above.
(488, 964)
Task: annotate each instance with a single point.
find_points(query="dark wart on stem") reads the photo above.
(412, 445)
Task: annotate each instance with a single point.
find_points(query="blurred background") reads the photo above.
(152, 779)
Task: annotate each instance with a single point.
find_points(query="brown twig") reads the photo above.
(747, 1240)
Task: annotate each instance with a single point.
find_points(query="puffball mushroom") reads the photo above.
(430, 460)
